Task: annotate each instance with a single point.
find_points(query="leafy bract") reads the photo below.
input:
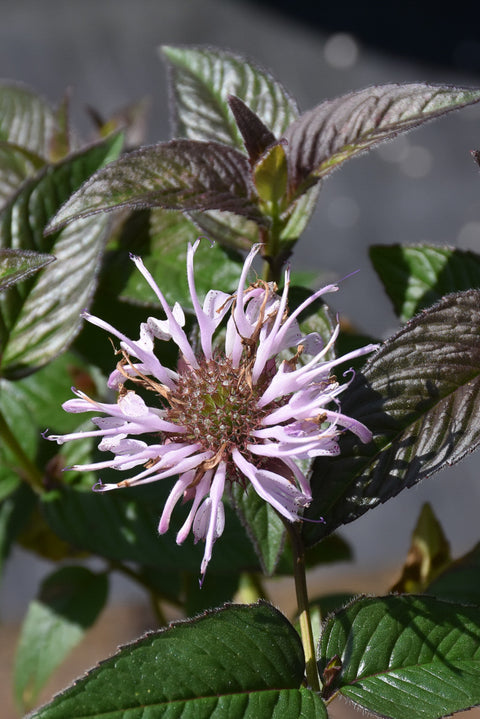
(338, 129)
(69, 602)
(201, 80)
(175, 175)
(416, 276)
(243, 662)
(404, 656)
(40, 317)
(17, 265)
(420, 396)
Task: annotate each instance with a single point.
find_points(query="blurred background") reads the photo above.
(423, 187)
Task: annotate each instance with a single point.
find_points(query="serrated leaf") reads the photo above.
(460, 581)
(419, 395)
(175, 175)
(69, 602)
(123, 526)
(17, 265)
(241, 662)
(416, 276)
(41, 317)
(339, 129)
(405, 657)
(26, 119)
(201, 79)
(429, 553)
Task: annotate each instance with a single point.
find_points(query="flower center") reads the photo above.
(217, 405)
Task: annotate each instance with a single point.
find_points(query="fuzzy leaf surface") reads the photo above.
(17, 265)
(201, 80)
(405, 656)
(420, 396)
(69, 602)
(40, 317)
(416, 276)
(175, 175)
(241, 662)
(336, 130)
(26, 119)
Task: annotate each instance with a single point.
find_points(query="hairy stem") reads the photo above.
(302, 603)
(26, 468)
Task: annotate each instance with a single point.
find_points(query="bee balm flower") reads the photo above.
(234, 415)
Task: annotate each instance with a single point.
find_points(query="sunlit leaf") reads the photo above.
(241, 662)
(201, 80)
(175, 175)
(40, 317)
(338, 129)
(419, 394)
(416, 276)
(17, 265)
(404, 657)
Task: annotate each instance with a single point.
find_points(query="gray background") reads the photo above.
(424, 187)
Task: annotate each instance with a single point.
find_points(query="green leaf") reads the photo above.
(17, 265)
(419, 394)
(270, 175)
(241, 662)
(40, 317)
(165, 257)
(428, 555)
(16, 165)
(26, 119)
(415, 277)
(460, 581)
(123, 526)
(229, 230)
(175, 175)
(263, 525)
(405, 657)
(69, 602)
(201, 80)
(323, 138)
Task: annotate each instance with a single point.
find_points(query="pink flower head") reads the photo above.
(240, 414)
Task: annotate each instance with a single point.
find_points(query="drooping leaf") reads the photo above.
(26, 119)
(201, 80)
(415, 277)
(338, 129)
(17, 265)
(243, 662)
(69, 602)
(429, 553)
(40, 317)
(419, 395)
(460, 581)
(404, 657)
(175, 175)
